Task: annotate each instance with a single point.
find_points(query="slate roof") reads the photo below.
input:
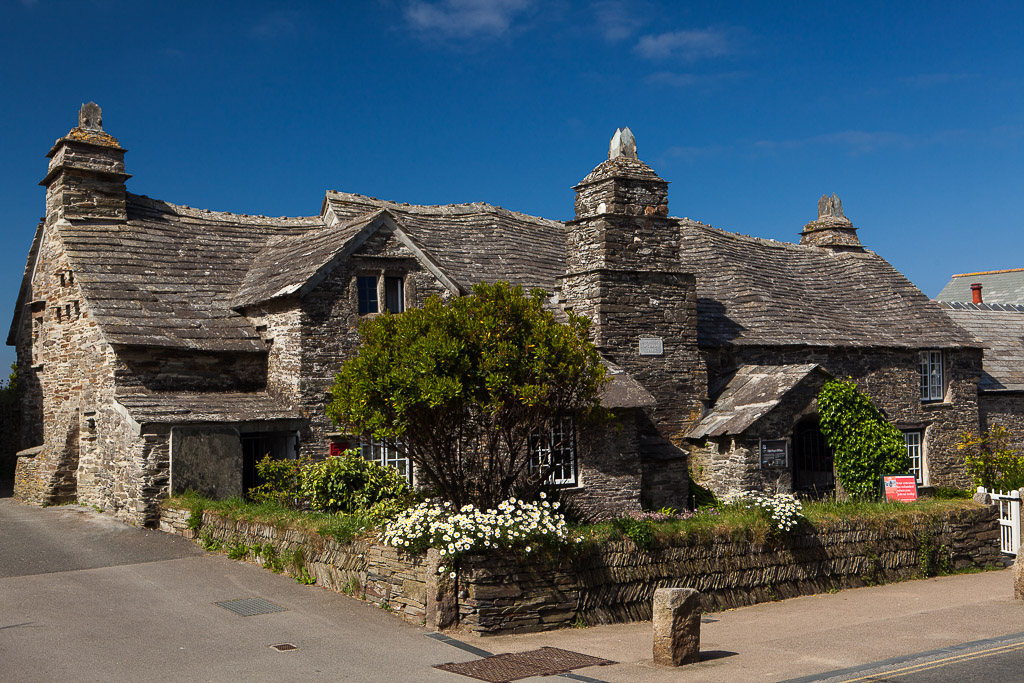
(166, 277)
(287, 263)
(195, 408)
(748, 396)
(472, 242)
(1001, 328)
(756, 292)
(623, 391)
(997, 286)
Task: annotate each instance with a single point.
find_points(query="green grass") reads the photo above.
(341, 527)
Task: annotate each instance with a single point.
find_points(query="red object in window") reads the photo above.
(334, 449)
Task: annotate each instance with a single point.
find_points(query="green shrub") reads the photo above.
(282, 482)
(990, 460)
(641, 532)
(195, 518)
(350, 483)
(865, 445)
(947, 493)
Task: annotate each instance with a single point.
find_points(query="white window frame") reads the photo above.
(555, 447)
(932, 379)
(914, 440)
(385, 454)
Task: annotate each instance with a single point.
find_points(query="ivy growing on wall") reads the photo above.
(865, 445)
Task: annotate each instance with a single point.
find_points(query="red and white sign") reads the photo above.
(901, 488)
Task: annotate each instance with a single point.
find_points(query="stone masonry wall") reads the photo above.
(609, 471)
(892, 380)
(616, 583)
(330, 323)
(1005, 410)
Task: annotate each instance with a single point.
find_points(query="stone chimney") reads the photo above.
(976, 293)
(623, 272)
(85, 179)
(832, 229)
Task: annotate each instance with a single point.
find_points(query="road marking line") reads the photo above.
(936, 663)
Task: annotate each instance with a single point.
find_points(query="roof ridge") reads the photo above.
(989, 272)
(468, 208)
(995, 307)
(144, 202)
(766, 241)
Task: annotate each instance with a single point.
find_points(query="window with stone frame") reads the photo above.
(932, 377)
(386, 454)
(915, 453)
(554, 448)
(366, 286)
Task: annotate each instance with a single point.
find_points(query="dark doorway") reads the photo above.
(813, 472)
(255, 445)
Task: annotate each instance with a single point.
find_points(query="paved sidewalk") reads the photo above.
(803, 636)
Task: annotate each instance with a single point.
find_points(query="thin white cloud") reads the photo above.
(618, 20)
(462, 19)
(687, 46)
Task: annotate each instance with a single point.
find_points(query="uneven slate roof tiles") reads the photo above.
(194, 408)
(748, 396)
(166, 277)
(474, 242)
(752, 291)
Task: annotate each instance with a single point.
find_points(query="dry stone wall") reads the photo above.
(616, 582)
(1005, 410)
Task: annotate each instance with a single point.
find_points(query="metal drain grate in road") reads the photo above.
(285, 647)
(250, 607)
(547, 661)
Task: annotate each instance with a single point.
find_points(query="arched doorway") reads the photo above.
(813, 471)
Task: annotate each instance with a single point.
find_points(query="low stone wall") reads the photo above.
(616, 582)
(30, 484)
(375, 572)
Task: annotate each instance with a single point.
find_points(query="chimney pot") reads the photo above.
(976, 292)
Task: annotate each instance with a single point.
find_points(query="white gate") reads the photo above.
(1009, 520)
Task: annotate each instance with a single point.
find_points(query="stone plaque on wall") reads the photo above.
(652, 346)
(774, 454)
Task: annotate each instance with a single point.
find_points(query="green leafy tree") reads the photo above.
(865, 445)
(991, 461)
(459, 387)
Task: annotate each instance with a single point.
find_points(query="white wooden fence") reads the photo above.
(1009, 518)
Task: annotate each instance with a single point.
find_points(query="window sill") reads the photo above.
(936, 405)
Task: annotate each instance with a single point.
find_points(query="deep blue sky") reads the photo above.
(912, 112)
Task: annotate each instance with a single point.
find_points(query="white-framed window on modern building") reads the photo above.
(394, 294)
(555, 447)
(932, 380)
(915, 454)
(385, 454)
(366, 288)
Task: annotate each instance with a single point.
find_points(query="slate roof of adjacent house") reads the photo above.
(193, 408)
(997, 287)
(749, 395)
(758, 292)
(1000, 327)
(166, 277)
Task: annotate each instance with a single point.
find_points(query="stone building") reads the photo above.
(990, 305)
(162, 347)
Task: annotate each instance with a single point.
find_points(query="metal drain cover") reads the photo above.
(285, 647)
(547, 661)
(250, 607)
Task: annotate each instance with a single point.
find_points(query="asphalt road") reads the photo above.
(86, 598)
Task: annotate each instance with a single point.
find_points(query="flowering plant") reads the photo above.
(785, 510)
(515, 524)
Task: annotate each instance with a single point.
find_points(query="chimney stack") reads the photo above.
(976, 292)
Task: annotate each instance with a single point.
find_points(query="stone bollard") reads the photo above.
(676, 626)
